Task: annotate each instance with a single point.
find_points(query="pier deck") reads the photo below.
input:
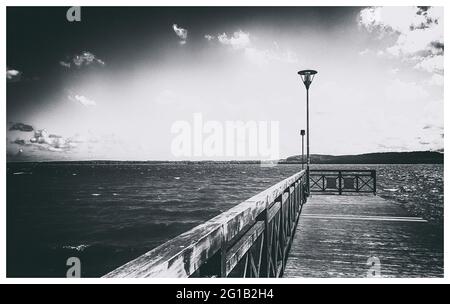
(337, 234)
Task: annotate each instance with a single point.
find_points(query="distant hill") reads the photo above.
(422, 157)
(419, 157)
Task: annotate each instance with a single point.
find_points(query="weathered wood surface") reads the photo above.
(337, 234)
(183, 256)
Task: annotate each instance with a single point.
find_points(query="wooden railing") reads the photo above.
(251, 239)
(339, 181)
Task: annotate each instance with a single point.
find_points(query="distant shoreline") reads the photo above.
(388, 158)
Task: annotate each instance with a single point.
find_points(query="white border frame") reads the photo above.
(69, 3)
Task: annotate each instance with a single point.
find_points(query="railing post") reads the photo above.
(281, 238)
(340, 182)
(265, 263)
(308, 189)
(215, 266)
(223, 255)
(374, 177)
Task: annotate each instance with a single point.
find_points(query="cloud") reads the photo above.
(432, 64)
(437, 80)
(84, 59)
(393, 71)
(82, 100)
(364, 52)
(65, 64)
(239, 40)
(12, 75)
(181, 33)
(417, 31)
(20, 142)
(262, 57)
(21, 127)
(51, 142)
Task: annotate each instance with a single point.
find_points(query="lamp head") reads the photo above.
(307, 77)
(302, 132)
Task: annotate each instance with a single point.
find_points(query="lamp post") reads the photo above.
(302, 133)
(307, 78)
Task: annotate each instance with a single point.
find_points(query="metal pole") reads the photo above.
(303, 153)
(307, 138)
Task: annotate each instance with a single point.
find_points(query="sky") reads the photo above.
(114, 84)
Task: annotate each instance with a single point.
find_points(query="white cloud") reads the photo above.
(84, 59)
(209, 37)
(239, 40)
(181, 33)
(65, 64)
(364, 52)
(12, 74)
(82, 100)
(418, 32)
(437, 80)
(394, 71)
(51, 142)
(432, 64)
(262, 57)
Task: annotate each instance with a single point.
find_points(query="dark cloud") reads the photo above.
(54, 136)
(422, 9)
(21, 127)
(20, 142)
(438, 46)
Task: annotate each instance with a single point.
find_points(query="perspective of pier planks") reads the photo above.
(337, 234)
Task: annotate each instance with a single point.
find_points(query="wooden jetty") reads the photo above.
(284, 232)
(344, 235)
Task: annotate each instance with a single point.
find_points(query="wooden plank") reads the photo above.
(337, 234)
(273, 211)
(235, 254)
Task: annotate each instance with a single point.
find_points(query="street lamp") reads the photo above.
(302, 133)
(307, 78)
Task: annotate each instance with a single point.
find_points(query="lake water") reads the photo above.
(109, 214)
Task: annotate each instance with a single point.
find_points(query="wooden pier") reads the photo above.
(338, 231)
(363, 236)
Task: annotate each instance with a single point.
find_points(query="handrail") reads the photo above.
(332, 180)
(251, 239)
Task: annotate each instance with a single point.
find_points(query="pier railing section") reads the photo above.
(251, 239)
(343, 181)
